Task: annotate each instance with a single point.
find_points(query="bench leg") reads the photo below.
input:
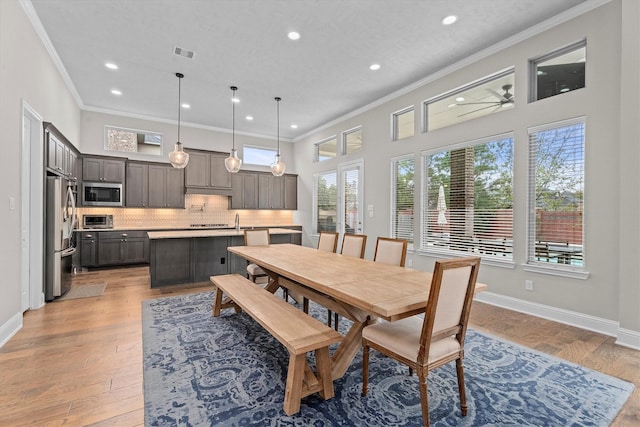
(293, 390)
(217, 302)
(323, 370)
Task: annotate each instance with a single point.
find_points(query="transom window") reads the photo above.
(556, 194)
(352, 140)
(402, 123)
(558, 72)
(488, 95)
(326, 149)
(258, 155)
(468, 199)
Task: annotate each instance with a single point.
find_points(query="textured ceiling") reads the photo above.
(320, 77)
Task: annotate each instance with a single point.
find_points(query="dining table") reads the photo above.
(360, 290)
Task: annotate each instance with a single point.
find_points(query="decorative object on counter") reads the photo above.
(278, 167)
(178, 157)
(233, 163)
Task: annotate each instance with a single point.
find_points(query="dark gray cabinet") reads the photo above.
(137, 187)
(61, 157)
(244, 194)
(88, 249)
(166, 187)
(291, 192)
(206, 174)
(103, 169)
(270, 192)
(209, 257)
(170, 261)
(237, 264)
(122, 247)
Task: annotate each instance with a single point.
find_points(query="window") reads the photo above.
(556, 191)
(132, 140)
(558, 72)
(402, 209)
(468, 199)
(325, 201)
(352, 140)
(488, 95)
(402, 123)
(258, 155)
(327, 149)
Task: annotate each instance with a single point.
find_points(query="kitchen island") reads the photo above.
(189, 256)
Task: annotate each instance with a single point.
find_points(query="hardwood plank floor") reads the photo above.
(79, 362)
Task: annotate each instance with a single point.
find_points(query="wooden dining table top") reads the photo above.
(386, 291)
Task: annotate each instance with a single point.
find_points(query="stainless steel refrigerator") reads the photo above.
(59, 247)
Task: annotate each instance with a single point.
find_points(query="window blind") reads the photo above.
(325, 201)
(556, 194)
(402, 210)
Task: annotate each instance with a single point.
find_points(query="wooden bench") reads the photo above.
(297, 331)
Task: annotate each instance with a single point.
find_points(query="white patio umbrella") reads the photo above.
(442, 207)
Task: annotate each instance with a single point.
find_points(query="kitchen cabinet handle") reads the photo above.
(124, 234)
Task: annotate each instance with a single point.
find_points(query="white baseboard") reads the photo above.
(625, 337)
(10, 328)
(628, 338)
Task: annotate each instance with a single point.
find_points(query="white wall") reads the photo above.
(27, 74)
(595, 302)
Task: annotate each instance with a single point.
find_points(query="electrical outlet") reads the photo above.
(410, 263)
(528, 285)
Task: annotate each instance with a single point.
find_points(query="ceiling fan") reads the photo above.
(503, 99)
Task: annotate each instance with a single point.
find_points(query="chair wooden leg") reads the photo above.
(424, 397)
(335, 321)
(365, 369)
(305, 305)
(329, 317)
(461, 389)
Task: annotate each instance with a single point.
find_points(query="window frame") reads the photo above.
(442, 252)
(316, 177)
(316, 148)
(546, 267)
(395, 131)
(344, 136)
(535, 62)
(393, 207)
(257, 147)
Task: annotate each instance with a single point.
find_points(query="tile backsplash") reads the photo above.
(199, 209)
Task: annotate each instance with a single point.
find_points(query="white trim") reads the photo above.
(567, 317)
(559, 19)
(628, 338)
(557, 270)
(10, 328)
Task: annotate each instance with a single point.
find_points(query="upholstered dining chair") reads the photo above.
(435, 340)
(255, 238)
(353, 245)
(390, 251)
(328, 241)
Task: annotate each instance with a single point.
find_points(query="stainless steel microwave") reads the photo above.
(102, 194)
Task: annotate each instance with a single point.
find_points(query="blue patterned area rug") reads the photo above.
(227, 371)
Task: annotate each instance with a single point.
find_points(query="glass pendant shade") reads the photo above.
(178, 157)
(233, 163)
(277, 167)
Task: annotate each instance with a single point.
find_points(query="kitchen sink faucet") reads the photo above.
(238, 221)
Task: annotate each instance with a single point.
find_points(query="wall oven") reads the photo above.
(102, 194)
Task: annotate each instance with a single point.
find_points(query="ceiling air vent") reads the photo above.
(184, 52)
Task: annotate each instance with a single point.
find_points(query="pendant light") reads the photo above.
(277, 167)
(233, 163)
(178, 157)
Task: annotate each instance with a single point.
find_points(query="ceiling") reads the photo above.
(320, 77)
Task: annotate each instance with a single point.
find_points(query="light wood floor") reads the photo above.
(79, 362)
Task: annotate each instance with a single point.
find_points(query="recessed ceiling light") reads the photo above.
(374, 67)
(294, 126)
(249, 118)
(448, 20)
(116, 92)
(293, 35)
(460, 99)
(111, 66)
(185, 105)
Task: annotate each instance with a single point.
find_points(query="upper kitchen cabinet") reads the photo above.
(244, 193)
(166, 187)
(291, 192)
(103, 169)
(205, 173)
(61, 155)
(137, 188)
(262, 190)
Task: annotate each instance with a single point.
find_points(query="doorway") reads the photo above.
(31, 208)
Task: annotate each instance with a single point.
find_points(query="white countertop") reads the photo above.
(181, 234)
